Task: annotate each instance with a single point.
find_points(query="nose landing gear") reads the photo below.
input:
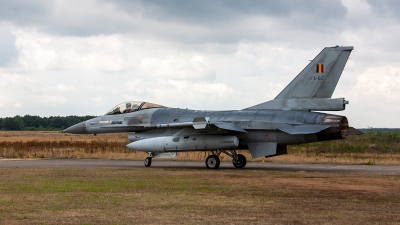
(147, 161)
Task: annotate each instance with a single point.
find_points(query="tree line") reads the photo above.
(37, 123)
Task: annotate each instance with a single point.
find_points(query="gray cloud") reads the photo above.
(24, 12)
(214, 12)
(223, 21)
(387, 8)
(8, 52)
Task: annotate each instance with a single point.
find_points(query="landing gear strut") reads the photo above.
(238, 160)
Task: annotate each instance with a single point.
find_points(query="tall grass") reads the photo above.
(374, 148)
(370, 148)
(62, 148)
(387, 143)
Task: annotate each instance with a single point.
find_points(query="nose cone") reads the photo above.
(79, 128)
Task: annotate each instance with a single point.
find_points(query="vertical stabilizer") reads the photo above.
(320, 77)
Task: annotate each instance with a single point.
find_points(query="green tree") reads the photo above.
(15, 123)
(29, 122)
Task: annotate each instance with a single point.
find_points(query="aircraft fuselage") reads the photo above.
(260, 125)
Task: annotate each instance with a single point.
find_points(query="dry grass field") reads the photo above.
(35, 144)
(194, 196)
(198, 196)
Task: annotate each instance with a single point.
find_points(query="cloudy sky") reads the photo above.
(83, 57)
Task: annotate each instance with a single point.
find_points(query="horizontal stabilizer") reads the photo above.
(229, 126)
(354, 131)
(304, 129)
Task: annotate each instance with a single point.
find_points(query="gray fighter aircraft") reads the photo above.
(264, 129)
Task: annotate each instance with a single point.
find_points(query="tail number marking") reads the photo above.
(317, 77)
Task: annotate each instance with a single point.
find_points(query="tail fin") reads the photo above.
(312, 89)
(320, 77)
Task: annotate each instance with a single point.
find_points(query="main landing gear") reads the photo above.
(213, 162)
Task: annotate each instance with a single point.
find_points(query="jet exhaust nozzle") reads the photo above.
(339, 128)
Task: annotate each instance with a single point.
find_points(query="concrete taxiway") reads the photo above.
(130, 164)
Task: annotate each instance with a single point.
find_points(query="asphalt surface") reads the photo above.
(130, 164)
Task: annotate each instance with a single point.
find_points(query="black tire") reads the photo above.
(147, 162)
(212, 162)
(240, 162)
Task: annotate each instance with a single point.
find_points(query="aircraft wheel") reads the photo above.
(212, 162)
(240, 162)
(147, 162)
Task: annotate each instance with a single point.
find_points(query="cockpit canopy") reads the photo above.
(131, 106)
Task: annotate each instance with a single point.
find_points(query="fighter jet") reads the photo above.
(264, 129)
